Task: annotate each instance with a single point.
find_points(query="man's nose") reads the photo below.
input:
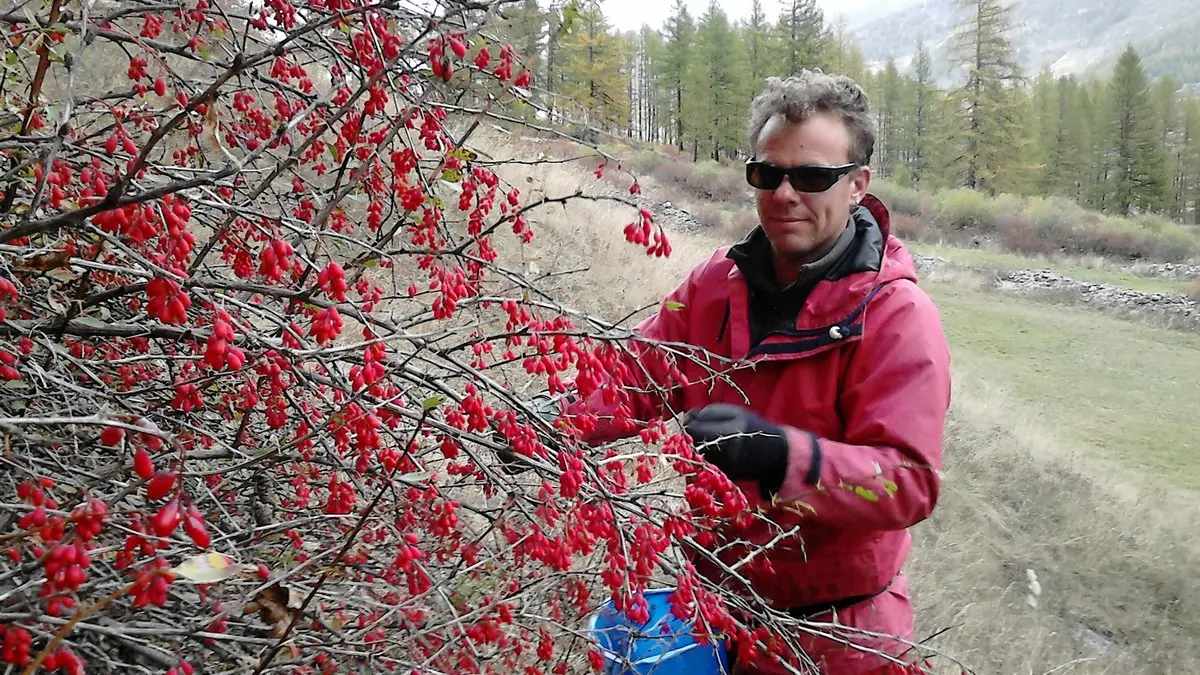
(785, 193)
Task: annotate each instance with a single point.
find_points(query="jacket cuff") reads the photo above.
(814, 466)
(805, 463)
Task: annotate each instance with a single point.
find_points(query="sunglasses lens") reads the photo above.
(763, 176)
(812, 179)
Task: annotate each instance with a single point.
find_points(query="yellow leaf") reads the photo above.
(207, 568)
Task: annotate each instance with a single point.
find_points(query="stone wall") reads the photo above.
(1175, 309)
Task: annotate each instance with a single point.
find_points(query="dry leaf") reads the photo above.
(47, 261)
(277, 607)
(63, 274)
(211, 128)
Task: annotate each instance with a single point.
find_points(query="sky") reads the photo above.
(631, 14)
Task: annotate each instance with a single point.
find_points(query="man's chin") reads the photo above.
(792, 245)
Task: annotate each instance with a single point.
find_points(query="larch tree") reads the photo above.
(1188, 180)
(800, 36)
(924, 95)
(1138, 172)
(716, 79)
(757, 36)
(591, 63)
(981, 45)
(524, 27)
(679, 34)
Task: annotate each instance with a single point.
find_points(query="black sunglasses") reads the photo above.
(806, 178)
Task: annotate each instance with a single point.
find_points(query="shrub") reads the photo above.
(708, 215)
(962, 209)
(744, 220)
(907, 227)
(1021, 236)
(646, 161)
(258, 333)
(721, 182)
(673, 171)
(900, 200)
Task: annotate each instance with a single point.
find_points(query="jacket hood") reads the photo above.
(878, 251)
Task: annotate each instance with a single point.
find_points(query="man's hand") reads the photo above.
(548, 410)
(740, 443)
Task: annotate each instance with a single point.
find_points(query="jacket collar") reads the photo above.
(859, 249)
(753, 257)
(836, 303)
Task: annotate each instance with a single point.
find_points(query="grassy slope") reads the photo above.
(1127, 389)
(1042, 393)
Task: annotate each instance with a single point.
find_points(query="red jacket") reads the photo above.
(861, 386)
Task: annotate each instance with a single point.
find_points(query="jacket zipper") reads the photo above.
(824, 336)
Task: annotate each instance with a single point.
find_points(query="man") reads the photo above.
(837, 426)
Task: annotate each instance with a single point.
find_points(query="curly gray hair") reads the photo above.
(811, 91)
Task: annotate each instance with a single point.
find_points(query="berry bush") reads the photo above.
(263, 360)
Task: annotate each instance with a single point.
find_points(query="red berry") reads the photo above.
(167, 519)
(142, 465)
(160, 486)
(112, 436)
(193, 525)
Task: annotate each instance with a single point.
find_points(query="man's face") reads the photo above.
(801, 225)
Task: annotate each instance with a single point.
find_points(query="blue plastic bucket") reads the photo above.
(663, 645)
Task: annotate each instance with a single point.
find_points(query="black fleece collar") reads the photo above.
(863, 252)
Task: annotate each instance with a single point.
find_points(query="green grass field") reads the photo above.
(1125, 388)
(1011, 261)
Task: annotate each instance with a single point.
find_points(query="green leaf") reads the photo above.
(90, 322)
(570, 13)
(371, 262)
(415, 477)
(431, 402)
(452, 175)
(865, 493)
(674, 306)
(15, 384)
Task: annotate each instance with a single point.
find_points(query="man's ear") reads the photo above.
(859, 183)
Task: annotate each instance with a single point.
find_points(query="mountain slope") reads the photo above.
(1068, 36)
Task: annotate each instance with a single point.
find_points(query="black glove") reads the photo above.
(740, 443)
(548, 410)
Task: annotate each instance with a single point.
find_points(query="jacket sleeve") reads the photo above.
(646, 384)
(884, 473)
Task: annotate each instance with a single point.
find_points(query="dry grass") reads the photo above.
(1192, 289)
(1117, 592)
(1023, 490)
